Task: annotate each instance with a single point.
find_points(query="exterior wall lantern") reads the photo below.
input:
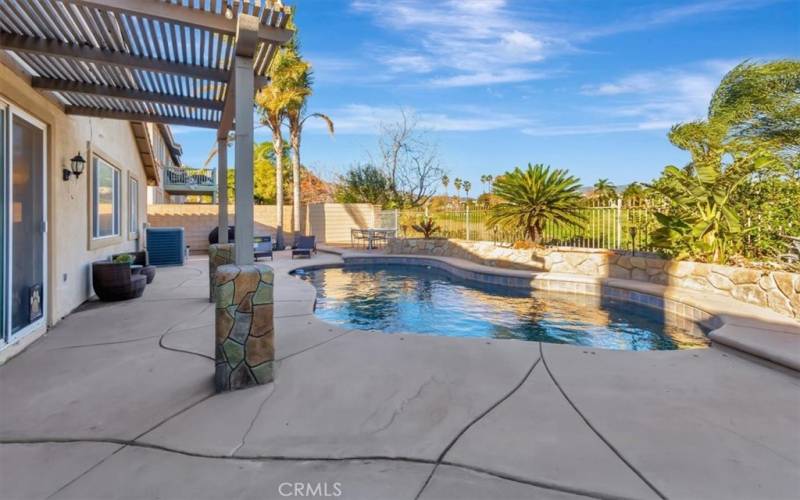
(77, 163)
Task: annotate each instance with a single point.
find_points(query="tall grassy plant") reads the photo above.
(701, 224)
(751, 133)
(535, 197)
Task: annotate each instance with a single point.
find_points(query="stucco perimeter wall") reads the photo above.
(777, 290)
(198, 220)
(332, 222)
(329, 222)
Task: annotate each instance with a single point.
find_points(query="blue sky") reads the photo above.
(591, 86)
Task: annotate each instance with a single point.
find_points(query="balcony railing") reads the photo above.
(182, 180)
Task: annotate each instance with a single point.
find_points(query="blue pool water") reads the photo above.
(419, 299)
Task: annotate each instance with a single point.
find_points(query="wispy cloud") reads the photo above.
(460, 43)
(666, 95)
(607, 128)
(465, 42)
(649, 17)
(652, 100)
(366, 119)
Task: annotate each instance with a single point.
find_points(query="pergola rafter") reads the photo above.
(163, 61)
(120, 93)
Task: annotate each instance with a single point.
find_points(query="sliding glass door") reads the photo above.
(25, 228)
(3, 223)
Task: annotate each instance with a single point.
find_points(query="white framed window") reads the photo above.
(105, 199)
(133, 207)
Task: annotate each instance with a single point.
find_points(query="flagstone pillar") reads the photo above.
(244, 326)
(218, 255)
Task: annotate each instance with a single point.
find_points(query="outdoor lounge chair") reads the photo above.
(304, 245)
(262, 247)
(112, 281)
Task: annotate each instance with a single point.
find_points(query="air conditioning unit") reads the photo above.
(166, 246)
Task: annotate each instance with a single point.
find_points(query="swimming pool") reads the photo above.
(420, 299)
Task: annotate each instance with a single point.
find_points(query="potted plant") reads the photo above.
(124, 258)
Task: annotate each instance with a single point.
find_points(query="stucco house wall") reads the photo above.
(69, 253)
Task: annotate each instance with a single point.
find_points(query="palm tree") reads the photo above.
(604, 190)
(445, 183)
(273, 102)
(458, 183)
(297, 119)
(483, 183)
(489, 181)
(634, 192)
(535, 197)
(298, 78)
(467, 187)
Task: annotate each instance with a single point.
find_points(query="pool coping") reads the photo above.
(754, 330)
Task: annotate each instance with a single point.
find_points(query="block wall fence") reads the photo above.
(329, 222)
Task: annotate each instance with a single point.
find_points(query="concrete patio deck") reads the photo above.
(117, 401)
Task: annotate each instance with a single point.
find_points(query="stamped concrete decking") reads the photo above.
(117, 401)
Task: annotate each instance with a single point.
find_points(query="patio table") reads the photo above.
(372, 235)
(376, 234)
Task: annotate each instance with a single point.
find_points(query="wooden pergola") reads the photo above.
(183, 62)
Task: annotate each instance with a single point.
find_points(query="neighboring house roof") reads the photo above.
(144, 143)
(145, 146)
(175, 149)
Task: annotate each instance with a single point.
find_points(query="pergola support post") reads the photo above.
(222, 190)
(243, 97)
(243, 291)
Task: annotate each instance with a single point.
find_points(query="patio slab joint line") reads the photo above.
(172, 329)
(82, 474)
(124, 444)
(314, 346)
(199, 273)
(111, 342)
(532, 482)
(475, 421)
(255, 417)
(594, 429)
(282, 458)
(175, 349)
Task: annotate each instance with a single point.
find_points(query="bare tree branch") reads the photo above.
(410, 159)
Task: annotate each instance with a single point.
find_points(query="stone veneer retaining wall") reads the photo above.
(777, 290)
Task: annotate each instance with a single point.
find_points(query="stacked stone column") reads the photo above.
(244, 326)
(218, 255)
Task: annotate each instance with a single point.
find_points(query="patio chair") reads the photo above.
(304, 245)
(141, 258)
(358, 237)
(112, 281)
(262, 247)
